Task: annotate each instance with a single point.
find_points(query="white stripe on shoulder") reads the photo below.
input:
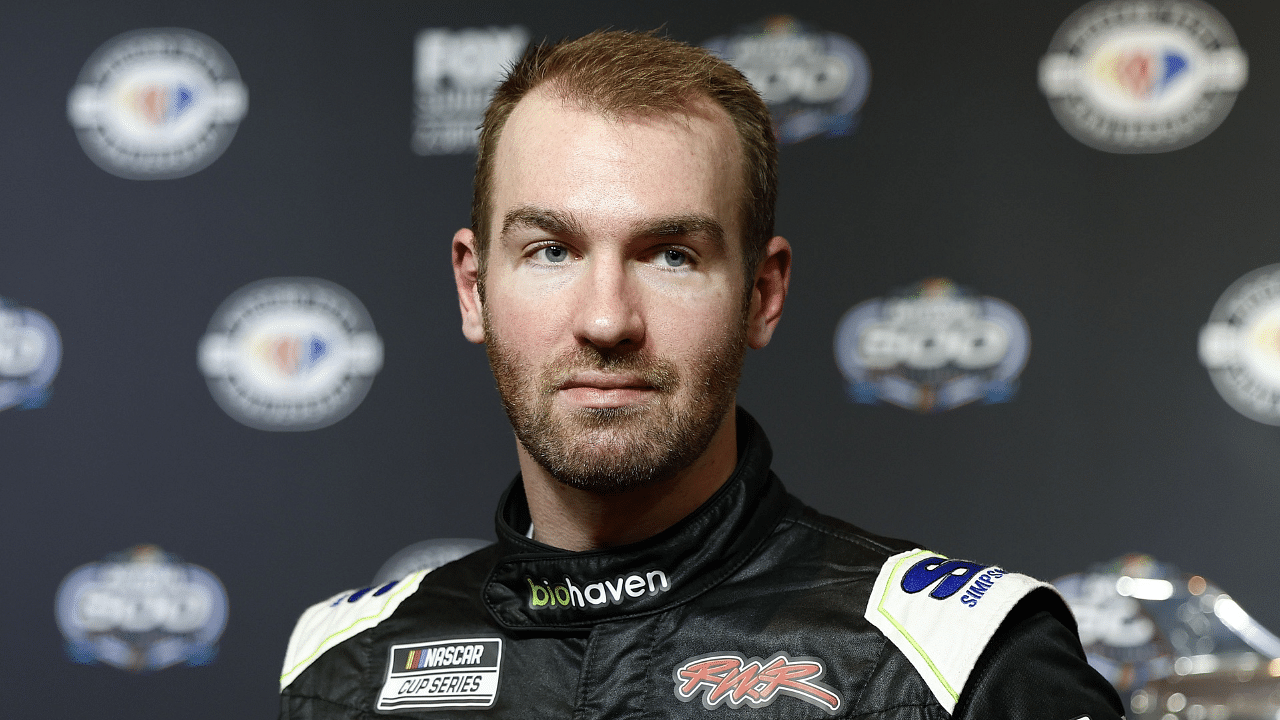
(941, 613)
(342, 616)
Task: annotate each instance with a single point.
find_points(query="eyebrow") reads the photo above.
(561, 224)
(684, 226)
(548, 221)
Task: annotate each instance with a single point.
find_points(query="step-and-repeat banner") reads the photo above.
(1034, 321)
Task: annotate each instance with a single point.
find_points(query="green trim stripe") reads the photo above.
(321, 647)
(883, 611)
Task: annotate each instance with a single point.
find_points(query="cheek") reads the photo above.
(524, 323)
(693, 322)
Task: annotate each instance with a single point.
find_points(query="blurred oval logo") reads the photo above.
(813, 81)
(932, 347)
(30, 354)
(1241, 345)
(157, 104)
(141, 609)
(1143, 76)
(290, 354)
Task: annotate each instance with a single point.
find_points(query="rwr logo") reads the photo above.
(730, 678)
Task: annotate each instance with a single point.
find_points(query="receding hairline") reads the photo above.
(697, 105)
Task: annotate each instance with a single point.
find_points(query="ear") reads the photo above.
(466, 274)
(769, 293)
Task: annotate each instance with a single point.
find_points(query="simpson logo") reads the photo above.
(290, 354)
(1241, 345)
(597, 594)
(733, 679)
(814, 82)
(1143, 76)
(932, 347)
(455, 72)
(157, 104)
(947, 577)
(30, 353)
(442, 674)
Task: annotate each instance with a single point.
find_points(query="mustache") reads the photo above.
(654, 372)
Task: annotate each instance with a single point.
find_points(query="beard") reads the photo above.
(613, 450)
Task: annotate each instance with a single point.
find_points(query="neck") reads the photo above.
(572, 519)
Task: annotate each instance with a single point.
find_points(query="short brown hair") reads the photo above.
(615, 72)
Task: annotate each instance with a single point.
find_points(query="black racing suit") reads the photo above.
(754, 606)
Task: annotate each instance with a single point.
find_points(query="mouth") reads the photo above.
(605, 390)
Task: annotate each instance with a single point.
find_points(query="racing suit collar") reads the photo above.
(535, 586)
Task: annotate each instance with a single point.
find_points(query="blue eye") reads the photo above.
(674, 258)
(554, 253)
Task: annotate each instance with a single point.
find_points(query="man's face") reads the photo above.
(613, 290)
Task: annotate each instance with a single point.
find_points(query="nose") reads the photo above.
(608, 311)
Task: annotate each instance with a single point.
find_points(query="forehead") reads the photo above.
(553, 153)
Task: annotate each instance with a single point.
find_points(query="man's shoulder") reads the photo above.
(938, 612)
(841, 536)
(943, 613)
(373, 614)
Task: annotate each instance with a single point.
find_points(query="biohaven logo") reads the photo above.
(1241, 345)
(814, 82)
(597, 594)
(455, 73)
(30, 353)
(734, 680)
(932, 347)
(1143, 76)
(157, 104)
(290, 354)
(442, 674)
(141, 609)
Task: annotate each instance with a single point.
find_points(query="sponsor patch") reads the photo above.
(141, 610)
(941, 613)
(931, 347)
(290, 354)
(596, 594)
(735, 680)
(1143, 76)
(813, 81)
(1241, 345)
(157, 104)
(442, 674)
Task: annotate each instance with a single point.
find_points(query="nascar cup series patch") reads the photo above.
(157, 104)
(932, 347)
(1143, 76)
(1240, 345)
(290, 354)
(442, 674)
(941, 613)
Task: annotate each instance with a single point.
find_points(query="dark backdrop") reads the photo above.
(1116, 441)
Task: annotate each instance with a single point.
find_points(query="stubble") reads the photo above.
(613, 450)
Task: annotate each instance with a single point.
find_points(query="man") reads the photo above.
(648, 564)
